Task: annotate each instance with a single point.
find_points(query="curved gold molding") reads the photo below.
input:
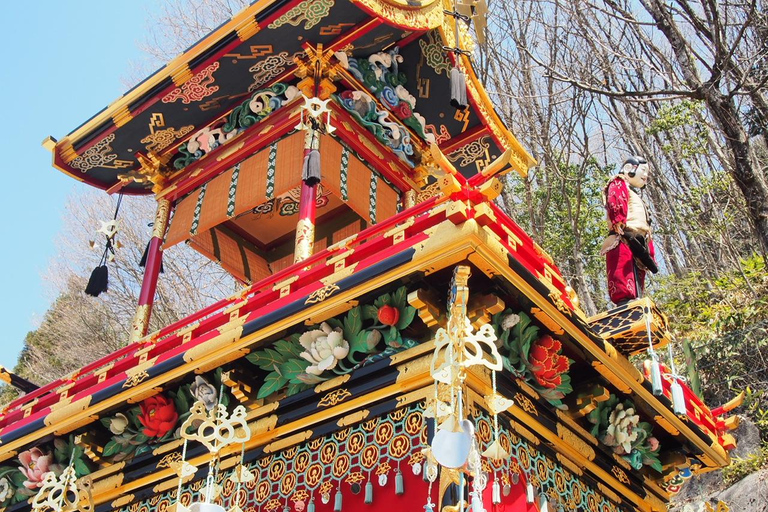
(426, 16)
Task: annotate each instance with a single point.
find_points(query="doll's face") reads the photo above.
(640, 178)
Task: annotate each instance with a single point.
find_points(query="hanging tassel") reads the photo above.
(656, 386)
(458, 89)
(311, 506)
(143, 261)
(543, 503)
(496, 492)
(310, 171)
(399, 489)
(477, 502)
(678, 398)
(98, 281)
(369, 492)
(337, 502)
(529, 493)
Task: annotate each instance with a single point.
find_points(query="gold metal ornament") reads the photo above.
(216, 428)
(62, 493)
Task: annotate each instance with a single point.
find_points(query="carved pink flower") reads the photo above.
(35, 464)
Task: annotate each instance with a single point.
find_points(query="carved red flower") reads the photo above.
(389, 315)
(158, 415)
(403, 110)
(548, 364)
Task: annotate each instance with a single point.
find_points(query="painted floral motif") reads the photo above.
(35, 463)
(196, 88)
(158, 416)
(337, 346)
(21, 481)
(534, 358)
(204, 392)
(323, 348)
(618, 426)
(156, 420)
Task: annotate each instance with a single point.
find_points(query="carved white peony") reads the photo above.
(323, 348)
(622, 431)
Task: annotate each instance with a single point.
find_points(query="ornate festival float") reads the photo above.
(399, 341)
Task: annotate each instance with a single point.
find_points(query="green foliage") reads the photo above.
(681, 124)
(741, 467)
(516, 343)
(288, 360)
(565, 207)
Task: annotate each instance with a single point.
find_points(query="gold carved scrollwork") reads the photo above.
(620, 475)
(526, 404)
(576, 442)
(334, 397)
(321, 294)
(135, 379)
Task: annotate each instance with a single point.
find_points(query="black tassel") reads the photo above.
(143, 261)
(310, 171)
(98, 281)
(458, 89)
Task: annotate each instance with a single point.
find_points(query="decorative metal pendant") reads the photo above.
(383, 480)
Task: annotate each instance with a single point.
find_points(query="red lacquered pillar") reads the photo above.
(305, 227)
(151, 271)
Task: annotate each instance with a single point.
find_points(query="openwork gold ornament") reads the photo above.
(321, 294)
(62, 494)
(216, 428)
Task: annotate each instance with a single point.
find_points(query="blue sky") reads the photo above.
(62, 63)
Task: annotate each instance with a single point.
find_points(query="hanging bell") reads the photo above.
(337, 501)
(496, 492)
(368, 492)
(678, 398)
(325, 498)
(656, 386)
(399, 487)
(515, 478)
(529, 493)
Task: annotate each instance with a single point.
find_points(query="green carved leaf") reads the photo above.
(294, 388)
(81, 468)
(266, 359)
(272, 384)
(400, 298)
(370, 312)
(111, 448)
(335, 323)
(383, 300)
(292, 368)
(406, 317)
(353, 323)
(289, 347)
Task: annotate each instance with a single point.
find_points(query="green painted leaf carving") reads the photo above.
(292, 368)
(272, 384)
(353, 323)
(400, 298)
(370, 312)
(289, 347)
(111, 448)
(267, 359)
(406, 317)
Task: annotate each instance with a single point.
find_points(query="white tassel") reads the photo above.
(658, 389)
(337, 502)
(678, 398)
(529, 493)
(369, 492)
(458, 89)
(477, 502)
(543, 503)
(496, 492)
(399, 489)
(311, 506)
